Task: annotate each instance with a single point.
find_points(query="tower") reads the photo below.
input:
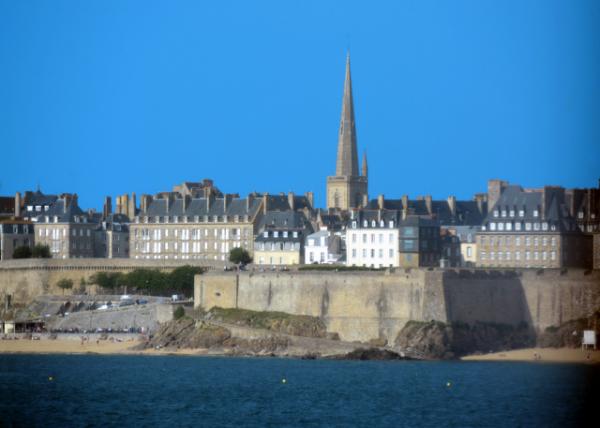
(347, 188)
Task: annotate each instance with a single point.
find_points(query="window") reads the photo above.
(469, 251)
(294, 234)
(391, 238)
(528, 241)
(364, 238)
(354, 225)
(391, 252)
(507, 255)
(544, 255)
(511, 213)
(492, 255)
(495, 213)
(536, 226)
(528, 226)
(544, 226)
(265, 234)
(354, 238)
(527, 255)
(492, 226)
(503, 213)
(553, 255)
(365, 223)
(353, 253)
(364, 252)
(275, 234)
(372, 238)
(285, 234)
(535, 213)
(517, 255)
(500, 226)
(391, 224)
(380, 253)
(509, 226)
(518, 241)
(553, 241)
(544, 241)
(535, 241)
(518, 226)
(372, 253)
(521, 213)
(483, 255)
(381, 238)
(536, 255)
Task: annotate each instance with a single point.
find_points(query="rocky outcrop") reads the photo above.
(438, 340)
(377, 354)
(569, 334)
(279, 322)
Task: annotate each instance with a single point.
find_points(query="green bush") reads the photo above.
(41, 252)
(23, 252)
(65, 284)
(238, 255)
(179, 313)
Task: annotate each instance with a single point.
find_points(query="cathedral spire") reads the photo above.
(347, 157)
(365, 168)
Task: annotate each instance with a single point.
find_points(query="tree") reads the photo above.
(239, 255)
(41, 252)
(181, 279)
(23, 252)
(65, 284)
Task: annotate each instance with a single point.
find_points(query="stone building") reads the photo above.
(111, 237)
(14, 233)
(387, 238)
(347, 188)
(530, 228)
(32, 204)
(280, 238)
(7, 207)
(65, 228)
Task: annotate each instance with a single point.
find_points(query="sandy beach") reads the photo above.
(554, 355)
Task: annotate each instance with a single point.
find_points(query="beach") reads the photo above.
(554, 355)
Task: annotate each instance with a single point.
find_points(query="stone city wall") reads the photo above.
(369, 305)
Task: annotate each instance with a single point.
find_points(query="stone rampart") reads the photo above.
(369, 305)
(27, 279)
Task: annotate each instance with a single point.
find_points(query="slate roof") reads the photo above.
(57, 209)
(515, 198)
(162, 207)
(467, 212)
(390, 215)
(38, 198)
(115, 222)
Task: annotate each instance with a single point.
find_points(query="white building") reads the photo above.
(372, 239)
(322, 247)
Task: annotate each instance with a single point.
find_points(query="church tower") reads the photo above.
(347, 188)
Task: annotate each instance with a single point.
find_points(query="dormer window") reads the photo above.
(382, 223)
(521, 213)
(145, 219)
(492, 226)
(528, 226)
(500, 226)
(157, 219)
(55, 219)
(495, 213)
(535, 213)
(265, 234)
(511, 213)
(391, 224)
(285, 234)
(503, 213)
(38, 208)
(580, 214)
(544, 226)
(354, 224)
(295, 234)
(276, 234)
(518, 225)
(373, 223)
(365, 223)
(175, 219)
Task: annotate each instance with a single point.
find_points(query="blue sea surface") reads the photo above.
(94, 390)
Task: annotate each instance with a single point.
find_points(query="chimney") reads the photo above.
(118, 211)
(428, 204)
(132, 206)
(379, 215)
(249, 200)
(495, 189)
(452, 205)
(310, 196)
(404, 206)
(185, 201)
(209, 200)
(265, 201)
(146, 200)
(365, 200)
(107, 209)
(291, 201)
(124, 204)
(380, 202)
(66, 201)
(18, 204)
(227, 201)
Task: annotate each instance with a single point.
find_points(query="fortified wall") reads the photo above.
(26, 279)
(368, 305)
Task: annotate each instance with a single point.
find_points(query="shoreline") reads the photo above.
(70, 346)
(541, 355)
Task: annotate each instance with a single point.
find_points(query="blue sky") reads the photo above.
(107, 97)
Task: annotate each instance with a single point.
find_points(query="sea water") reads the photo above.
(93, 390)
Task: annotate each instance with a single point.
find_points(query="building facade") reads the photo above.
(14, 233)
(280, 239)
(347, 188)
(383, 238)
(111, 237)
(66, 229)
(323, 247)
(532, 229)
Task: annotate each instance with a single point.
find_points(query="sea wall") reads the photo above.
(368, 305)
(24, 280)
